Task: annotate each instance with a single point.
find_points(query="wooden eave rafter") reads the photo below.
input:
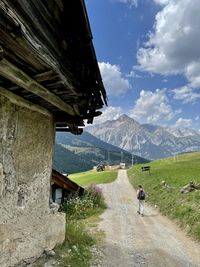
(46, 48)
(14, 74)
(70, 126)
(49, 59)
(19, 101)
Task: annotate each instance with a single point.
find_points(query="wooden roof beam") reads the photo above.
(1, 53)
(14, 74)
(40, 77)
(76, 131)
(43, 42)
(19, 101)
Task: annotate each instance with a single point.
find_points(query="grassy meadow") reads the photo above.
(176, 171)
(94, 177)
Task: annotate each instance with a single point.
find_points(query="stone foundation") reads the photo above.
(27, 226)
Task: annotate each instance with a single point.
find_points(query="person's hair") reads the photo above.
(140, 186)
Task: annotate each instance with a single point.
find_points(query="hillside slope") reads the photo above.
(66, 161)
(176, 172)
(80, 153)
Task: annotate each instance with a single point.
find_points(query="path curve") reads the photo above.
(135, 241)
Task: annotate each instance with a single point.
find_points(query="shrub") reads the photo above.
(94, 193)
(80, 207)
(76, 251)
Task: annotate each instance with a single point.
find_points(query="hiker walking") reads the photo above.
(141, 198)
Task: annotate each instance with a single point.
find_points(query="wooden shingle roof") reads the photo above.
(47, 57)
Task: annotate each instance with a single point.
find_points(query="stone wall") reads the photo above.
(27, 226)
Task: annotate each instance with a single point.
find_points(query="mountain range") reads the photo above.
(77, 153)
(146, 140)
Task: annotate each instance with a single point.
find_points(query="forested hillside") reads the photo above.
(74, 153)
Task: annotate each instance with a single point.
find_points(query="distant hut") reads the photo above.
(49, 80)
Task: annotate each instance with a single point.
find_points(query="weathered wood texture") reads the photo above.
(17, 100)
(65, 183)
(51, 42)
(17, 76)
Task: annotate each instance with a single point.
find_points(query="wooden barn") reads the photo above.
(49, 80)
(62, 186)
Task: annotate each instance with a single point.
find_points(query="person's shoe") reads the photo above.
(142, 215)
(138, 212)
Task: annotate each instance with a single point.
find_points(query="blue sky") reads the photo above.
(149, 57)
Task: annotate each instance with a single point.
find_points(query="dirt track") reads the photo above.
(134, 241)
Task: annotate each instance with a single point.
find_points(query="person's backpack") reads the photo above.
(141, 195)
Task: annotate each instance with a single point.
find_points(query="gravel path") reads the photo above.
(135, 241)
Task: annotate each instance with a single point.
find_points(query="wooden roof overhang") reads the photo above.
(65, 183)
(47, 57)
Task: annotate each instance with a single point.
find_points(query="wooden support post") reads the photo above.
(11, 72)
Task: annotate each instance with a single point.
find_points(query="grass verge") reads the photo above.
(80, 214)
(82, 236)
(176, 172)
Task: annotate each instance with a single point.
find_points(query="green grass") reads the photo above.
(75, 251)
(94, 177)
(79, 237)
(82, 216)
(176, 172)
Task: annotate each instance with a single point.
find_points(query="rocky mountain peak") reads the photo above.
(146, 140)
(125, 118)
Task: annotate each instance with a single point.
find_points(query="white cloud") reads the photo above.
(186, 94)
(173, 45)
(178, 111)
(115, 83)
(161, 2)
(152, 107)
(133, 74)
(192, 73)
(183, 123)
(110, 113)
(129, 2)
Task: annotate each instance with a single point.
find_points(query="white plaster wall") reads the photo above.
(26, 225)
